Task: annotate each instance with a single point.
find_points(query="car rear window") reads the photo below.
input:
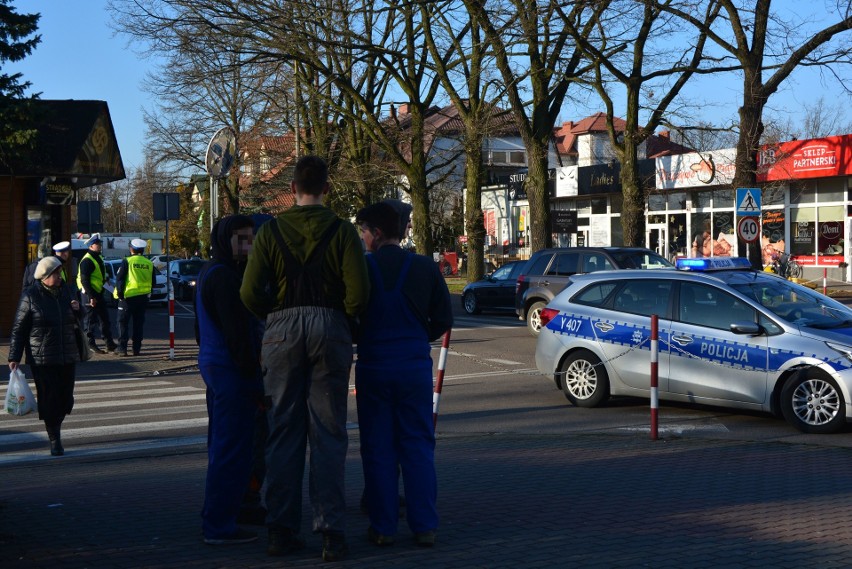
(594, 295)
(640, 260)
(564, 265)
(540, 265)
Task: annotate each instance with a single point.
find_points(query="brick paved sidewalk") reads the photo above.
(505, 501)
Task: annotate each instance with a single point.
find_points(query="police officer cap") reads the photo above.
(62, 246)
(46, 267)
(95, 238)
(138, 244)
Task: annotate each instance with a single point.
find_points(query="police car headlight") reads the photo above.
(845, 351)
(191, 283)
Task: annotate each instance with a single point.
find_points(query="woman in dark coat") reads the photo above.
(45, 322)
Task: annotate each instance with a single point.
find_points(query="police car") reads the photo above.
(728, 336)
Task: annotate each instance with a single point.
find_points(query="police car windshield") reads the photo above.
(797, 305)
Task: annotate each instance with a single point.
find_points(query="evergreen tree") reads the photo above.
(16, 116)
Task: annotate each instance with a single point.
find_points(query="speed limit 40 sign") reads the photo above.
(748, 229)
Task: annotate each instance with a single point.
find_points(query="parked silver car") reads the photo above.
(728, 336)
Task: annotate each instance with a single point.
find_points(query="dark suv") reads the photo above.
(549, 271)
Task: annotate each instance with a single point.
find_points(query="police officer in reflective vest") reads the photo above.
(91, 277)
(133, 283)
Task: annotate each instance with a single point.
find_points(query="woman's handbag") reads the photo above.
(19, 397)
(82, 342)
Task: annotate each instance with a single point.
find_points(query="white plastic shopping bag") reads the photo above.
(19, 397)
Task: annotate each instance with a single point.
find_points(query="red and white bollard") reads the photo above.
(655, 348)
(439, 379)
(171, 321)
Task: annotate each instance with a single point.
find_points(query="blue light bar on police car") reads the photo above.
(712, 263)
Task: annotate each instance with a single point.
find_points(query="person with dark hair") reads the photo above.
(62, 251)
(228, 336)
(134, 282)
(307, 277)
(45, 322)
(90, 281)
(409, 308)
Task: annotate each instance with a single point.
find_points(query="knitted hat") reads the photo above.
(46, 267)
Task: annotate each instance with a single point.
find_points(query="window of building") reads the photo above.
(723, 198)
(517, 157)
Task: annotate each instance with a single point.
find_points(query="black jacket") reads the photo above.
(45, 322)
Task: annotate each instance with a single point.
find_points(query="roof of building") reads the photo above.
(74, 139)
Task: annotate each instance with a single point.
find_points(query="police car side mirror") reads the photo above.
(746, 328)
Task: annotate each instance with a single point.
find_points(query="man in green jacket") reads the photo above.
(306, 275)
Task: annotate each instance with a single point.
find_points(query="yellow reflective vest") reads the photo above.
(139, 278)
(97, 278)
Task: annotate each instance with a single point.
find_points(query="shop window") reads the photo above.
(830, 234)
(723, 198)
(831, 190)
(656, 202)
(676, 200)
(701, 200)
(802, 193)
(584, 207)
(802, 231)
(598, 206)
(616, 232)
(772, 196)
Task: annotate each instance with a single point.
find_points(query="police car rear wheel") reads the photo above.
(812, 402)
(585, 382)
(534, 318)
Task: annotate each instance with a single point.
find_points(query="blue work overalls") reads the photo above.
(231, 406)
(393, 379)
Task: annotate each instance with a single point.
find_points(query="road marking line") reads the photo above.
(505, 362)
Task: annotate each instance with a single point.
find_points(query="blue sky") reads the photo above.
(80, 58)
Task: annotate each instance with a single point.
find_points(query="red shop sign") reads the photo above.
(798, 159)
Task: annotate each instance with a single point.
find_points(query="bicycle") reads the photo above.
(786, 267)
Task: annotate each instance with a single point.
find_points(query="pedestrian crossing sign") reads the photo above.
(748, 201)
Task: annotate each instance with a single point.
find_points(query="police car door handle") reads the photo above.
(544, 283)
(682, 340)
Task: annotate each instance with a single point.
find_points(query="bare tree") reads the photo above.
(769, 49)
(651, 70)
(532, 50)
(202, 84)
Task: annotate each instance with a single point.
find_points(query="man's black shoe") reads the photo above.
(112, 347)
(334, 546)
(283, 541)
(253, 515)
(95, 349)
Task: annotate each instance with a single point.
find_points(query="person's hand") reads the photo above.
(92, 302)
(75, 305)
(13, 366)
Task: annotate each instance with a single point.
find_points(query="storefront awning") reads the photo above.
(75, 145)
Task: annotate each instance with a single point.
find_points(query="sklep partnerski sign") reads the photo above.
(799, 159)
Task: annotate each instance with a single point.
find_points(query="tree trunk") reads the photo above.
(748, 144)
(473, 218)
(539, 200)
(633, 210)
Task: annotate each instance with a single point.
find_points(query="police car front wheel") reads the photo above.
(585, 382)
(812, 402)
